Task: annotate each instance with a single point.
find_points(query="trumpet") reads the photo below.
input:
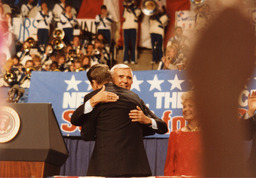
(72, 55)
(28, 71)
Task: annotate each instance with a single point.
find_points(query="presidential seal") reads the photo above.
(9, 124)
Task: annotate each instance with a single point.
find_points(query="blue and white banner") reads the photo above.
(160, 90)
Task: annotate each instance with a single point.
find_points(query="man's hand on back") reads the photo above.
(103, 97)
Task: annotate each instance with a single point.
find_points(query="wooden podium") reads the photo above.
(38, 150)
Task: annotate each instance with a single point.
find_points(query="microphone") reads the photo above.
(20, 93)
(12, 92)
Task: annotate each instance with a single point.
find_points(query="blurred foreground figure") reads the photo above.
(224, 55)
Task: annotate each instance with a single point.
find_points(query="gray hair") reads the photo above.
(119, 66)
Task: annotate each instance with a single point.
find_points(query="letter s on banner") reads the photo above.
(68, 127)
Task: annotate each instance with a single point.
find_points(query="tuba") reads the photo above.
(149, 7)
(58, 33)
(57, 42)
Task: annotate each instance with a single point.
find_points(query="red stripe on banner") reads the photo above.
(89, 9)
(172, 6)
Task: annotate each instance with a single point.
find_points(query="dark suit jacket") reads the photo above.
(78, 118)
(119, 148)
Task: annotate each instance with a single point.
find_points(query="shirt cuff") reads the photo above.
(246, 116)
(87, 107)
(154, 125)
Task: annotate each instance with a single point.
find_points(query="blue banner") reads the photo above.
(160, 90)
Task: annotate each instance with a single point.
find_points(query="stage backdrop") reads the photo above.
(160, 90)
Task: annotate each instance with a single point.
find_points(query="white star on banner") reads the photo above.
(155, 83)
(72, 83)
(176, 82)
(136, 83)
(89, 85)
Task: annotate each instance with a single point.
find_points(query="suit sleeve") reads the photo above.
(78, 116)
(161, 125)
(87, 121)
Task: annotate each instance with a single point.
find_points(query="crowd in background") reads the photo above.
(61, 45)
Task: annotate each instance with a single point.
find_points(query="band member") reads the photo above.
(58, 9)
(43, 19)
(157, 24)
(26, 8)
(68, 22)
(130, 26)
(103, 23)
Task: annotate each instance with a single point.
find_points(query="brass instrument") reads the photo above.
(198, 2)
(10, 78)
(149, 7)
(78, 51)
(58, 33)
(32, 42)
(28, 71)
(57, 42)
(79, 69)
(26, 49)
(72, 55)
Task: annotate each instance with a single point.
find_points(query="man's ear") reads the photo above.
(94, 85)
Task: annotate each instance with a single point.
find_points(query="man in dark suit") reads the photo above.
(122, 77)
(119, 149)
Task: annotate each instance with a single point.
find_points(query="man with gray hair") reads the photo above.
(119, 149)
(122, 77)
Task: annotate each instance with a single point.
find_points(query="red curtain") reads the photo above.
(89, 9)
